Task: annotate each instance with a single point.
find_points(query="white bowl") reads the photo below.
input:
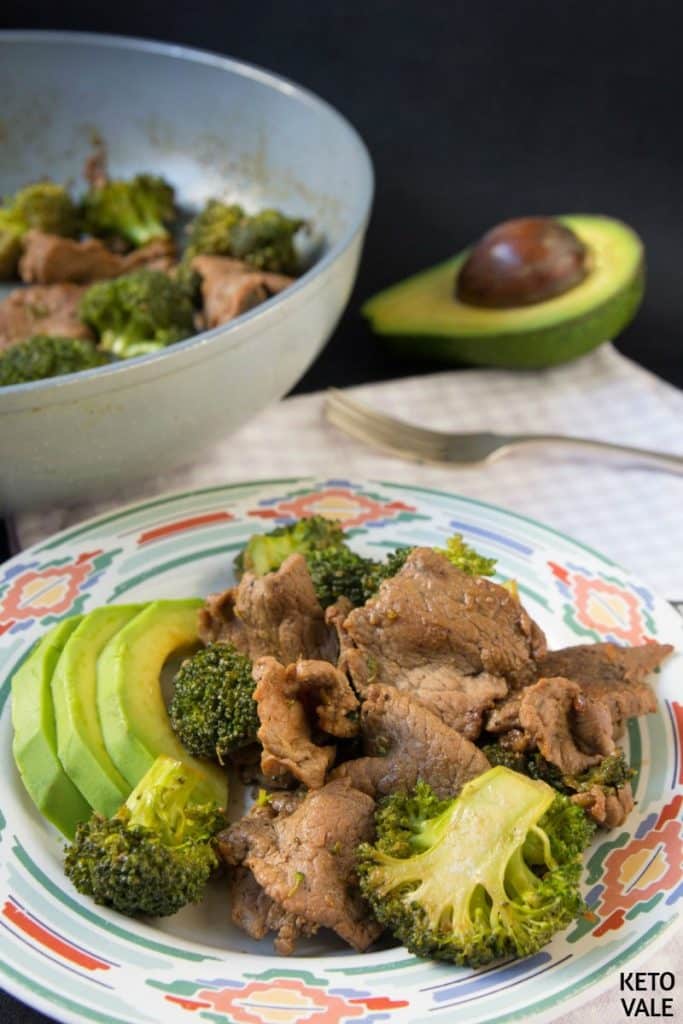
(213, 127)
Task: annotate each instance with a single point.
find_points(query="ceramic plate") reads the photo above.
(79, 962)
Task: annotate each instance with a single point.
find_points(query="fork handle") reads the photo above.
(640, 456)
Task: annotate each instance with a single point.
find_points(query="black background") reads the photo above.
(473, 112)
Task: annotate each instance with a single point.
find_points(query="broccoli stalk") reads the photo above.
(138, 313)
(156, 854)
(493, 872)
(212, 710)
(136, 211)
(265, 239)
(45, 356)
(44, 206)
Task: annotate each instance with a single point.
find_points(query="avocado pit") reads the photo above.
(521, 262)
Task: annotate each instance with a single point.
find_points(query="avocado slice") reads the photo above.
(35, 734)
(422, 316)
(130, 702)
(79, 737)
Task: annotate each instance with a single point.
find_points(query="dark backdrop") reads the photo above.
(473, 112)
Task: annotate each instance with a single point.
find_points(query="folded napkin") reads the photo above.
(632, 515)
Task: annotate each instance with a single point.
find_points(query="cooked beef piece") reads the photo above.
(277, 615)
(606, 672)
(42, 309)
(254, 911)
(283, 696)
(405, 742)
(608, 808)
(571, 730)
(49, 259)
(335, 615)
(230, 287)
(505, 715)
(305, 860)
(326, 691)
(454, 641)
(612, 674)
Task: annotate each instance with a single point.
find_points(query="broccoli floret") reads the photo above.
(156, 854)
(137, 210)
(213, 710)
(138, 313)
(466, 558)
(532, 764)
(611, 773)
(46, 356)
(337, 571)
(265, 552)
(265, 239)
(45, 206)
(493, 872)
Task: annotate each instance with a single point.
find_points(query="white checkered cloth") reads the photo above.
(633, 516)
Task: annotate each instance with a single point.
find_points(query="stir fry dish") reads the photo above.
(421, 766)
(106, 270)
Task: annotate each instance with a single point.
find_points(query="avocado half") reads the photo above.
(421, 316)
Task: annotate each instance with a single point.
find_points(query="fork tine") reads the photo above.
(394, 434)
(385, 431)
(338, 398)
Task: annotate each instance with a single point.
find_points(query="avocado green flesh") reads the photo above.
(135, 723)
(35, 736)
(80, 743)
(422, 315)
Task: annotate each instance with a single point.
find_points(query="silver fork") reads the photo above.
(401, 438)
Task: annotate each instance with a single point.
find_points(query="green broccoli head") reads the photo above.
(44, 206)
(156, 854)
(213, 710)
(337, 570)
(493, 872)
(265, 552)
(137, 210)
(138, 313)
(464, 557)
(46, 356)
(611, 773)
(265, 239)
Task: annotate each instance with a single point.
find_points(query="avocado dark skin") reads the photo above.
(521, 262)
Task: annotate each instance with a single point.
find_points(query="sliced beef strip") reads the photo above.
(256, 913)
(277, 615)
(406, 742)
(571, 730)
(327, 692)
(606, 672)
(285, 730)
(42, 309)
(305, 860)
(50, 259)
(230, 287)
(505, 715)
(455, 641)
(612, 674)
(608, 808)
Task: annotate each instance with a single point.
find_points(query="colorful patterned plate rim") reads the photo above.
(78, 962)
